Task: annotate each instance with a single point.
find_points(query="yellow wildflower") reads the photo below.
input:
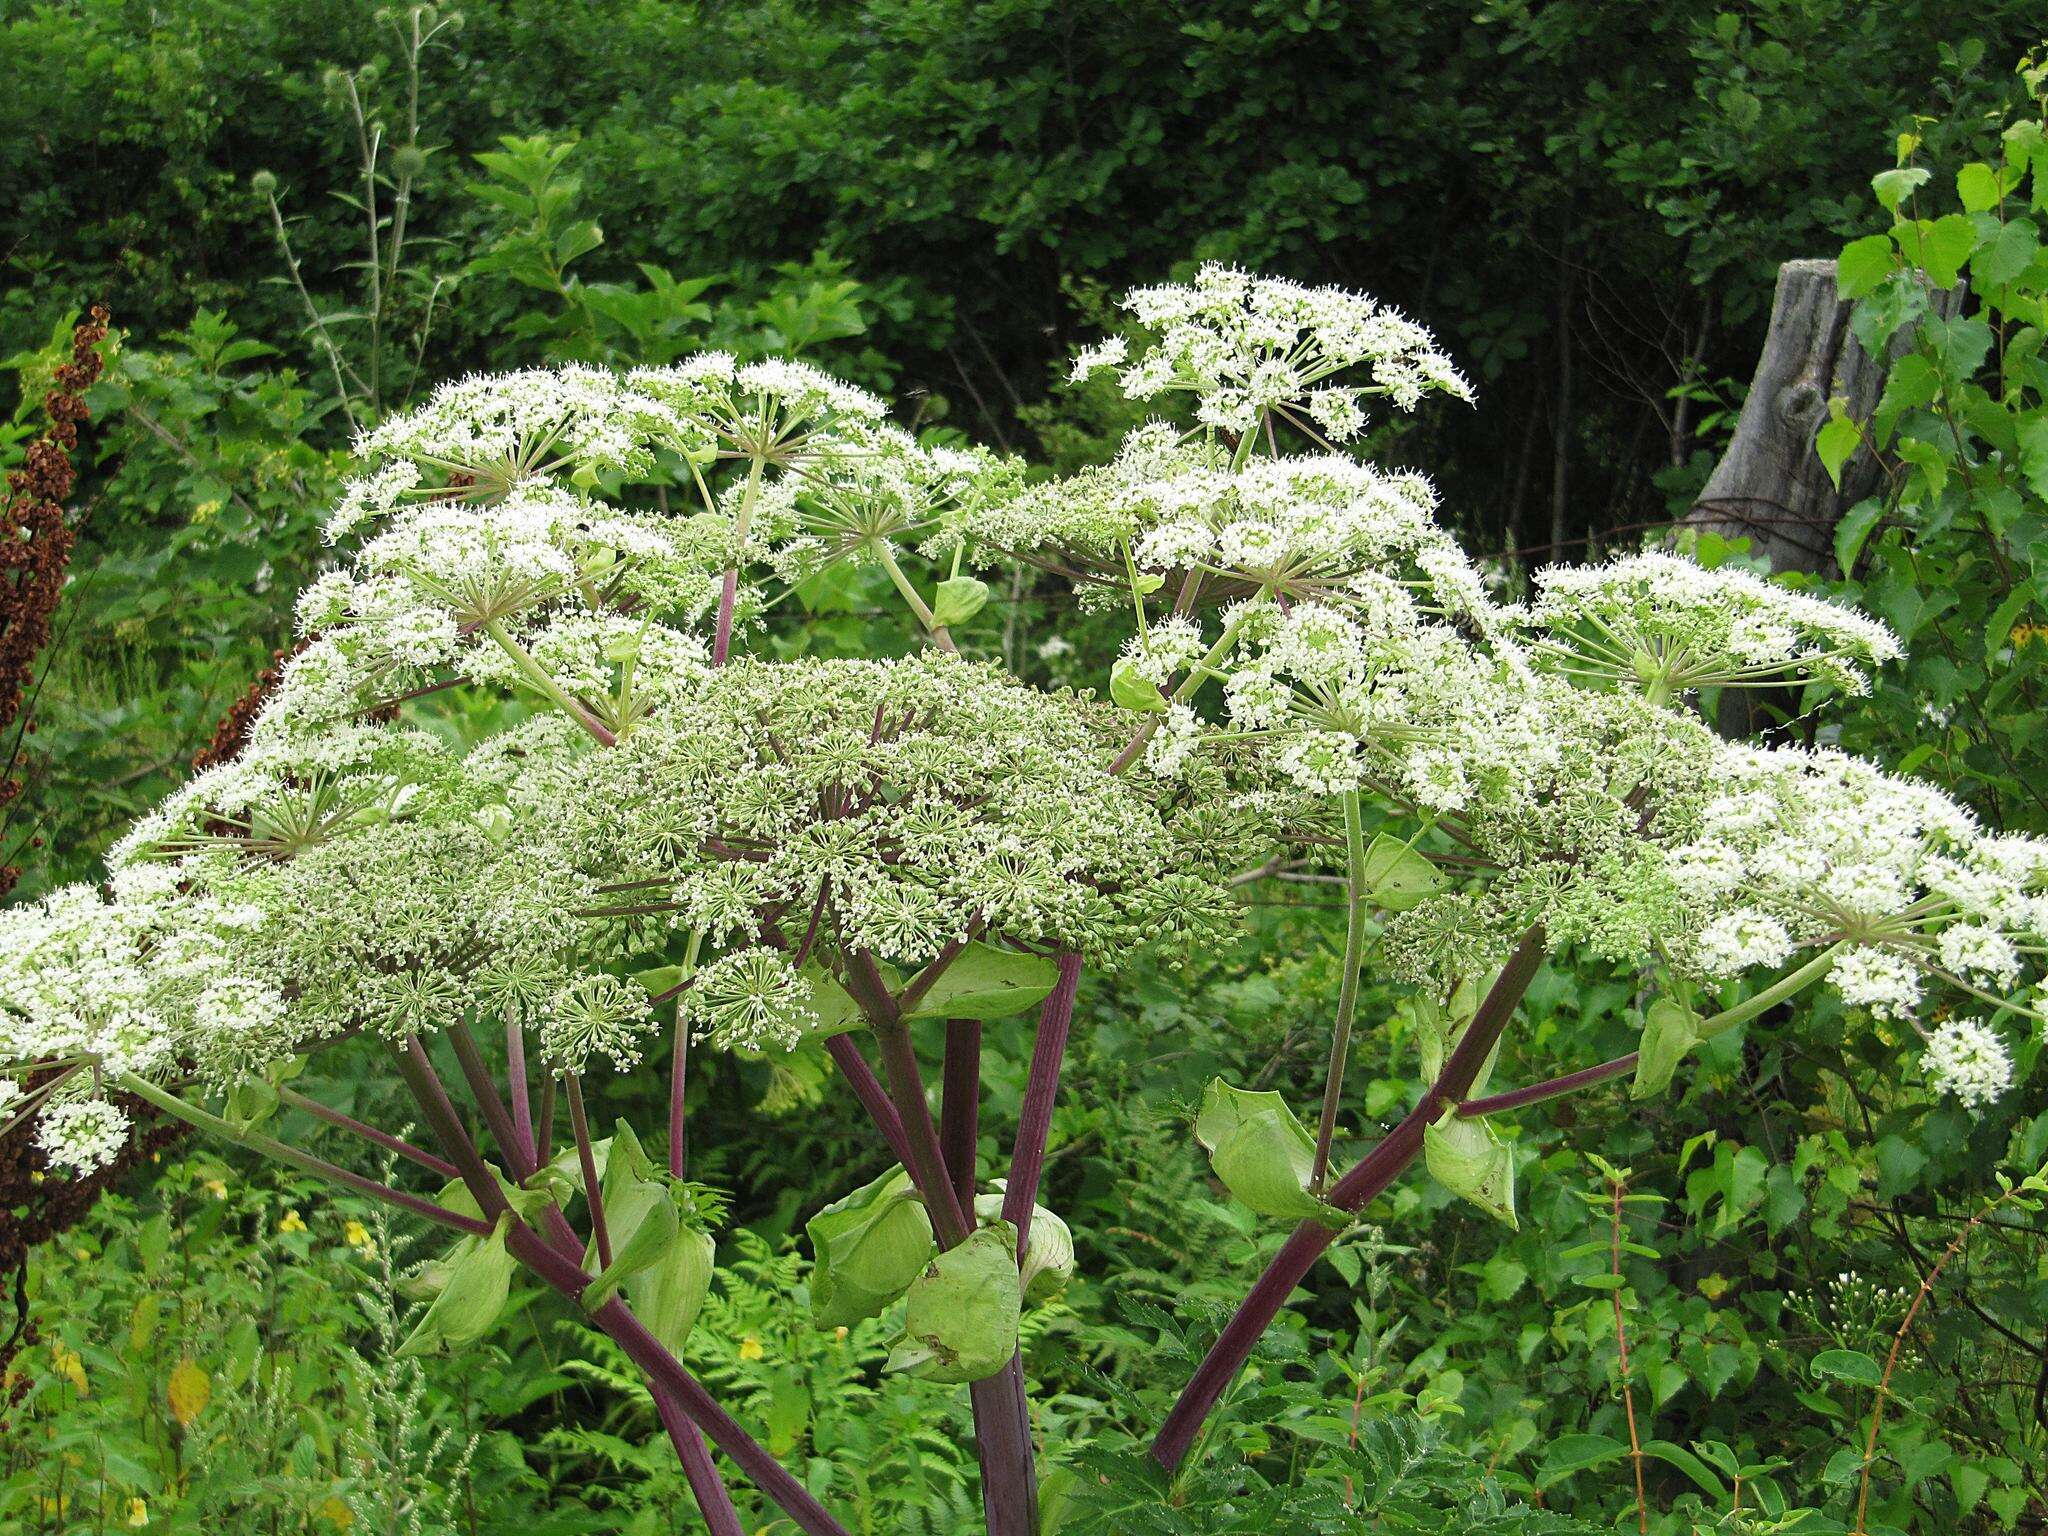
(750, 1348)
(292, 1222)
(138, 1513)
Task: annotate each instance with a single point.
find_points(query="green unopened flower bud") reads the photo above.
(264, 184)
(408, 161)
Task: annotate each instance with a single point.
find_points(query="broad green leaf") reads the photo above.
(867, 1248)
(1938, 246)
(642, 1224)
(1260, 1152)
(2016, 603)
(1689, 1464)
(1893, 187)
(1864, 264)
(960, 1323)
(1854, 529)
(1929, 460)
(471, 1298)
(1470, 1160)
(667, 1294)
(984, 982)
(1131, 689)
(1670, 1030)
(2008, 255)
(1049, 1261)
(1396, 876)
(958, 600)
(1835, 442)
(1850, 1365)
(1977, 186)
(1577, 1453)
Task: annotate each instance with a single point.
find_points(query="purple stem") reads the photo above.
(960, 1104)
(485, 1092)
(678, 1081)
(1034, 1120)
(522, 1091)
(719, 1515)
(1378, 1169)
(586, 1154)
(370, 1133)
(665, 1373)
(1555, 1087)
(721, 639)
(868, 1089)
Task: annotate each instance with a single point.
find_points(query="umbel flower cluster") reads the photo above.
(352, 872)
(522, 772)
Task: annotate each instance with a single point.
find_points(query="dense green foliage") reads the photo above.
(1563, 189)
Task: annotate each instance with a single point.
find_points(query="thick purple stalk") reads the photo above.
(1002, 1421)
(719, 1515)
(520, 1088)
(1378, 1169)
(874, 1098)
(566, 1276)
(586, 1156)
(1034, 1119)
(960, 1104)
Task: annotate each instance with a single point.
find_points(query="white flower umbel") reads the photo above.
(1248, 347)
(82, 1136)
(1966, 1059)
(1668, 625)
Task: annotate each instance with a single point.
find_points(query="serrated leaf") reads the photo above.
(1978, 188)
(1893, 187)
(1854, 529)
(1864, 264)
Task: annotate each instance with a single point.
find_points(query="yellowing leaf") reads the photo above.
(190, 1390)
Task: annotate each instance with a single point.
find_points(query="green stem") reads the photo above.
(271, 1147)
(1347, 988)
(917, 605)
(1774, 994)
(539, 676)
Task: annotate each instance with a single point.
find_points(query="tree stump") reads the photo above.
(1770, 486)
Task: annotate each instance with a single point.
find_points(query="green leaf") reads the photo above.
(1049, 1261)
(1396, 876)
(2008, 255)
(1689, 1464)
(1864, 264)
(1835, 442)
(1893, 187)
(1670, 1030)
(2034, 454)
(472, 1294)
(1131, 689)
(1500, 1277)
(1977, 186)
(1469, 1159)
(2016, 603)
(1260, 1152)
(1577, 1453)
(984, 982)
(640, 1219)
(1929, 460)
(867, 1248)
(958, 600)
(1850, 1365)
(1853, 529)
(1938, 246)
(667, 1294)
(961, 1320)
